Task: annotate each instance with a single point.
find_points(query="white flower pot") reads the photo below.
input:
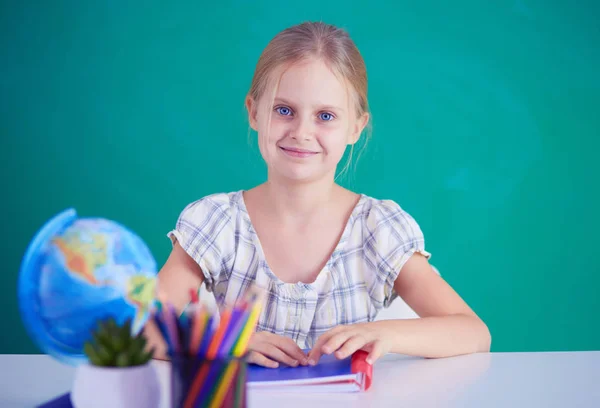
(115, 387)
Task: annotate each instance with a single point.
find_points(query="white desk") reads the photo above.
(481, 380)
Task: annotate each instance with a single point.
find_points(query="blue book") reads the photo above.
(352, 374)
(61, 401)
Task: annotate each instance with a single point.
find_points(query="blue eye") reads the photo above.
(326, 116)
(283, 110)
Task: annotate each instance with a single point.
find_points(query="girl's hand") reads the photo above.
(345, 340)
(268, 350)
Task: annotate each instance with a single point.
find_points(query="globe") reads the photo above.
(76, 271)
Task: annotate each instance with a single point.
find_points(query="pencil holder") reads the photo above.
(214, 383)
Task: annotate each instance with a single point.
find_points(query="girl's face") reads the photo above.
(312, 120)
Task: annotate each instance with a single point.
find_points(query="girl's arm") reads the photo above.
(447, 326)
(179, 274)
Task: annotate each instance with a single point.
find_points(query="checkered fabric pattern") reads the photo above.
(354, 285)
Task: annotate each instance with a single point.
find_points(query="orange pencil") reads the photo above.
(218, 337)
(198, 328)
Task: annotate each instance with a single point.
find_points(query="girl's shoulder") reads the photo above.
(215, 204)
(382, 210)
(388, 236)
(207, 229)
(220, 199)
(211, 214)
(385, 220)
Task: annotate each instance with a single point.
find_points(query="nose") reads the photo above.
(303, 129)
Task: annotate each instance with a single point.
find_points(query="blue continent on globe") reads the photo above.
(79, 270)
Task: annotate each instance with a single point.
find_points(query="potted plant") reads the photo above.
(119, 372)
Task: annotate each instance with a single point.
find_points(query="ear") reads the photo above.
(251, 107)
(358, 127)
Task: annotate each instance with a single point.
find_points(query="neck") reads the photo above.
(298, 201)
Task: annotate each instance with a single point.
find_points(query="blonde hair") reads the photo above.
(317, 40)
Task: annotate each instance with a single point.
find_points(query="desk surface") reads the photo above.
(557, 379)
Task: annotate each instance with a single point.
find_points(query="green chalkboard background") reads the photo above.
(486, 129)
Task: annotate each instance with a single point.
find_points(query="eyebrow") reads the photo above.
(320, 107)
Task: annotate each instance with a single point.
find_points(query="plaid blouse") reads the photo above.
(354, 285)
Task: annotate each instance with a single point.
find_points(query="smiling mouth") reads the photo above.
(295, 152)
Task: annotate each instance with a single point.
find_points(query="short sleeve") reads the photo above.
(204, 230)
(392, 237)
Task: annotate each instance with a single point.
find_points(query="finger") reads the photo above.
(259, 359)
(336, 341)
(290, 347)
(273, 352)
(268, 344)
(314, 355)
(350, 346)
(376, 352)
(317, 351)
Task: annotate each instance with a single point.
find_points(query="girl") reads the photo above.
(328, 258)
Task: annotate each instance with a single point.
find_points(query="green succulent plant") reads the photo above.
(112, 345)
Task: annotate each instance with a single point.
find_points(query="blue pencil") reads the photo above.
(164, 332)
(236, 325)
(171, 324)
(207, 337)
